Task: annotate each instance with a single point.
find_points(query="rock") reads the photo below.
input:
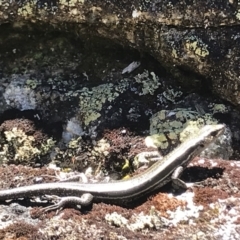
(207, 212)
(186, 36)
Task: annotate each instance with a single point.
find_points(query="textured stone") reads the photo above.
(197, 36)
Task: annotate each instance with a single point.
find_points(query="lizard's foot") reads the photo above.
(84, 200)
(178, 183)
(145, 158)
(81, 177)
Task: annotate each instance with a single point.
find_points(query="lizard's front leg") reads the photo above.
(177, 182)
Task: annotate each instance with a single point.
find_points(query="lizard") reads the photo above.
(160, 173)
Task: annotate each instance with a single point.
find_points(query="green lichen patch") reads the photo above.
(149, 82)
(218, 108)
(196, 46)
(172, 126)
(92, 100)
(26, 10)
(169, 95)
(237, 13)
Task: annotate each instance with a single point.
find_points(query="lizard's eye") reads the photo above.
(201, 145)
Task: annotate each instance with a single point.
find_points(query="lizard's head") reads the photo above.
(210, 133)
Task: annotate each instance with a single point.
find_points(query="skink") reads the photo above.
(157, 175)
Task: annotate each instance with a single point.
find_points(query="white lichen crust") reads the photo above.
(18, 94)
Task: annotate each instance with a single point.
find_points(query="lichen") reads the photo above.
(19, 93)
(72, 129)
(137, 222)
(169, 95)
(238, 15)
(150, 82)
(218, 108)
(80, 154)
(26, 10)
(46, 146)
(92, 100)
(101, 147)
(157, 140)
(68, 230)
(195, 45)
(176, 125)
(23, 144)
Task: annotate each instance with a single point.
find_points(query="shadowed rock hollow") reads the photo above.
(200, 37)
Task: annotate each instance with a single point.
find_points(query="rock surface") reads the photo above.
(61, 85)
(208, 212)
(201, 37)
